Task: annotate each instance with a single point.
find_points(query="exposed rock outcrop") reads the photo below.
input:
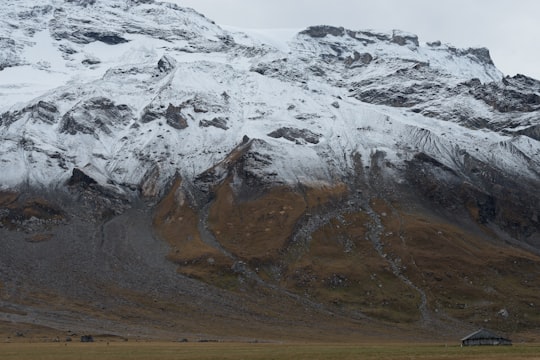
(93, 115)
(298, 136)
(323, 30)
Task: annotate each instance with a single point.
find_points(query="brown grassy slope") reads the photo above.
(8, 197)
(258, 229)
(466, 274)
(341, 268)
(255, 229)
(177, 222)
(18, 209)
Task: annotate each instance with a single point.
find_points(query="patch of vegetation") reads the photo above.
(342, 268)
(257, 228)
(464, 274)
(177, 222)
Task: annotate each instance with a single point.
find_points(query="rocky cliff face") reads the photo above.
(353, 175)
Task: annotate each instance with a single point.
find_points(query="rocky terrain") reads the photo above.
(163, 177)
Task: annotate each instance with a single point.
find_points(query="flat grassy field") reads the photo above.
(236, 351)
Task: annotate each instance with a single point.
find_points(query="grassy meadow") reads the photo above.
(236, 351)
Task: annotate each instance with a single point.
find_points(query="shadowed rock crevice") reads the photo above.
(78, 177)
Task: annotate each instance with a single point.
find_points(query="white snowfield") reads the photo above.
(82, 86)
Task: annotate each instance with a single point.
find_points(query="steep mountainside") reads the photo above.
(161, 175)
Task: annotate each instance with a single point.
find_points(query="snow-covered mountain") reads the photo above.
(140, 86)
(112, 102)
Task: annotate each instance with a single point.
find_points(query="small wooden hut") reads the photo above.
(484, 337)
(87, 338)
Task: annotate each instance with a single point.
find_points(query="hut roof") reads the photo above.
(482, 334)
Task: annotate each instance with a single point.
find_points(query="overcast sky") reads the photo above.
(510, 29)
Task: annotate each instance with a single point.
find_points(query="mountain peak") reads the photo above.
(404, 47)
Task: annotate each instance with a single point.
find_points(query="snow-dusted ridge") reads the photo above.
(129, 90)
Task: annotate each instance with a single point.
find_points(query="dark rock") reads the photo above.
(423, 157)
(97, 113)
(482, 54)
(26, 144)
(278, 68)
(337, 281)
(317, 71)
(34, 12)
(487, 196)
(84, 3)
(137, 2)
(294, 135)
(86, 36)
(323, 30)
(10, 54)
(91, 61)
(396, 97)
(199, 108)
(175, 118)
(245, 161)
(434, 43)
(260, 69)
(109, 38)
(508, 98)
(166, 64)
(218, 122)
(364, 59)
(43, 111)
(173, 115)
(68, 50)
(403, 39)
(522, 81)
(239, 267)
(532, 131)
(475, 82)
(358, 36)
(46, 107)
(369, 34)
(487, 208)
(150, 114)
(338, 49)
(473, 122)
(7, 118)
(78, 177)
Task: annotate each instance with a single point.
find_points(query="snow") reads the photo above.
(44, 52)
(279, 39)
(215, 81)
(46, 70)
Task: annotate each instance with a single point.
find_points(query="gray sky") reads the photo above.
(510, 29)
